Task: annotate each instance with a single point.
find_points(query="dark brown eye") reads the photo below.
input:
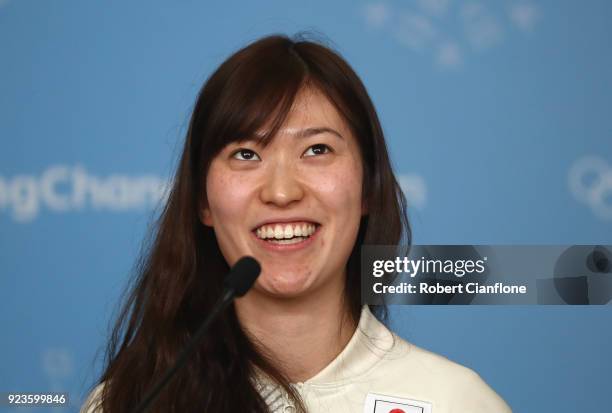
(245, 155)
(318, 149)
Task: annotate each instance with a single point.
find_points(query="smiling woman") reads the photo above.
(285, 161)
(295, 203)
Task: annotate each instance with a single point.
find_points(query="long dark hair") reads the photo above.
(180, 274)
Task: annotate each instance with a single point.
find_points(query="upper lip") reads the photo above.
(284, 221)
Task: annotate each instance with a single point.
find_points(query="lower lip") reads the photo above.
(270, 246)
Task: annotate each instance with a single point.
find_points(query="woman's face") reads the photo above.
(294, 205)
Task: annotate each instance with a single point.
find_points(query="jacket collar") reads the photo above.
(368, 345)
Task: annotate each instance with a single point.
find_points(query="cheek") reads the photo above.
(339, 188)
(227, 197)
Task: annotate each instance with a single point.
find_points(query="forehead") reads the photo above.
(312, 108)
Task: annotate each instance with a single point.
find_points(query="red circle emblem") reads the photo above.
(397, 411)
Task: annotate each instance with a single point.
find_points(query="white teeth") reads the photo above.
(287, 241)
(278, 232)
(285, 232)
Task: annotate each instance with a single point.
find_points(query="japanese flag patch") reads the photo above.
(379, 403)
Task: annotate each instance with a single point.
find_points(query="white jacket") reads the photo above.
(379, 372)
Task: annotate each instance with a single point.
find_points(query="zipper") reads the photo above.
(288, 405)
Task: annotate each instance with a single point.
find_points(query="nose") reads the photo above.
(281, 186)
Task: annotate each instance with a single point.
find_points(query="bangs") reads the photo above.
(256, 98)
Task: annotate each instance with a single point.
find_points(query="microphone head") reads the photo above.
(242, 276)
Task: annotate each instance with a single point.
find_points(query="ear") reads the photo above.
(205, 215)
(364, 208)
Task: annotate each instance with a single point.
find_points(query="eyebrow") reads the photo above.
(303, 133)
(308, 132)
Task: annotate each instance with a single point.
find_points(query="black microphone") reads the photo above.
(242, 276)
(240, 279)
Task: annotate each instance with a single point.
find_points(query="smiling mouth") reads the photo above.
(286, 233)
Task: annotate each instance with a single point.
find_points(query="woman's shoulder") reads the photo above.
(92, 403)
(439, 379)
(410, 369)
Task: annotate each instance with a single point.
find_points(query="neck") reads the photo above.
(302, 335)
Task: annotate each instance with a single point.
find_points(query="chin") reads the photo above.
(288, 285)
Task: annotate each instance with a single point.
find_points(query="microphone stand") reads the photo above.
(237, 283)
(152, 395)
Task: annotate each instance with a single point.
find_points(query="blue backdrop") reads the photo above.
(497, 114)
